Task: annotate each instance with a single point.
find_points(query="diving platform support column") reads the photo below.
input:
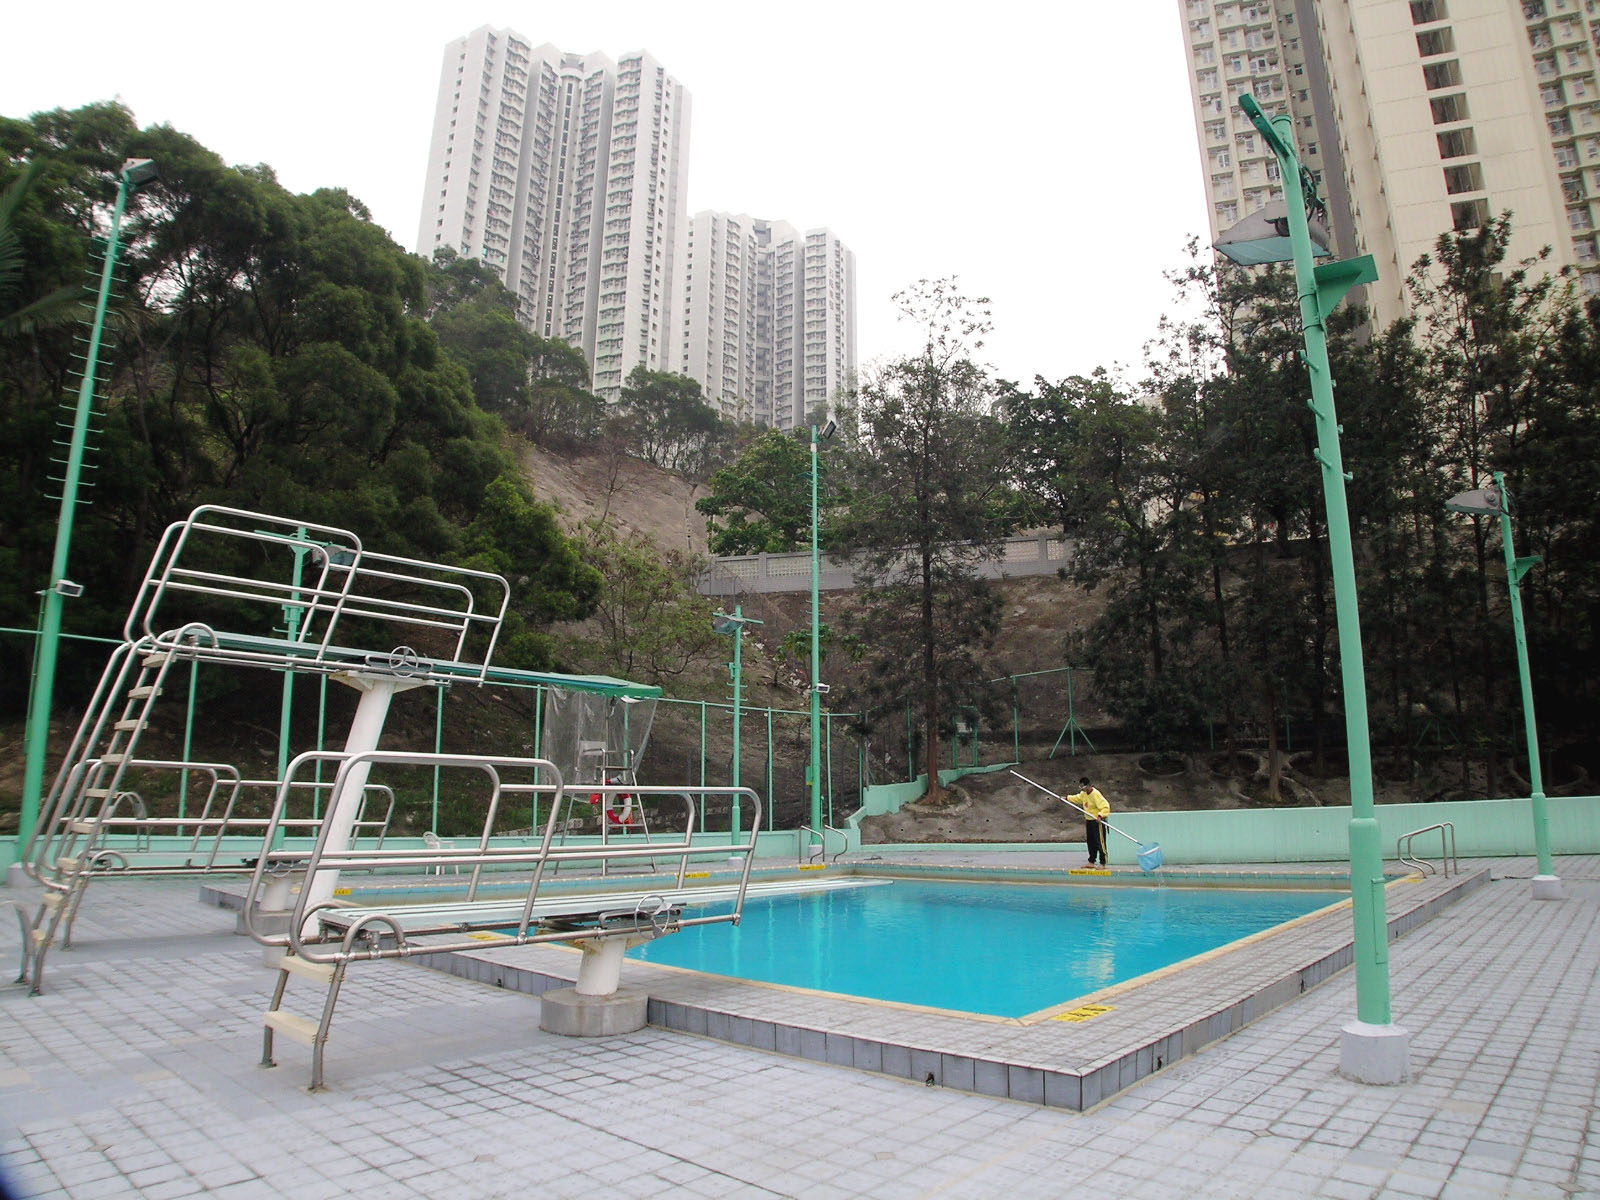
(597, 1005)
(372, 711)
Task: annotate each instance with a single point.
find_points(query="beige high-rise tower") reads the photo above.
(1419, 118)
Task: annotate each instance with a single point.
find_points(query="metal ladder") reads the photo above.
(1447, 849)
(304, 1030)
(86, 791)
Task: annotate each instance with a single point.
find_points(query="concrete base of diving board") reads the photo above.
(569, 1012)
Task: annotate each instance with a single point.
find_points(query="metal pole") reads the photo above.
(42, 697)
(1373, 1050)
(814, 774)
(1516, 568)
(438, 748)
(738, 708)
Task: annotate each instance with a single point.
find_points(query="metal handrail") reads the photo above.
(822, 843)
(1447, 849)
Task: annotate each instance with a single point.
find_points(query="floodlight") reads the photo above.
(1263, 237)
(1480, 502)
(138, 172)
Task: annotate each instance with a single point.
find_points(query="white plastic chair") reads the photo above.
(433, 841)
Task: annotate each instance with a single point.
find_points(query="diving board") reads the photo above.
(254, 590)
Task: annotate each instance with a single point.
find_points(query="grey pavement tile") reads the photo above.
(141, 1063)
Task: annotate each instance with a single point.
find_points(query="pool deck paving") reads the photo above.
(136, 1073)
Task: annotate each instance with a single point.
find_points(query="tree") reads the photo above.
(651, 621)
(266, 350)
(20, 313)
(761, 503)
(1485, 328)
(927, 500)
(550, 575)
(671, 424)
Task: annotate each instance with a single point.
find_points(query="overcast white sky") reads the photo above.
(1044, 154)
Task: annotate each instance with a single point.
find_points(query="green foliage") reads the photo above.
(652, 624)
(669, 422)
(761, 503)
(926, 501)
(267, 351)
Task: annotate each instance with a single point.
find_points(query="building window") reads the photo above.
(1469, 214)
(1466, 178)
(1424, 11)
(1435, 41)
(1449, 108)
(1457, 143)
(1442, 74)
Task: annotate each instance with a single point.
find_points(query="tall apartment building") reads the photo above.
(1419, 118)
(768, 317)
(567, 173)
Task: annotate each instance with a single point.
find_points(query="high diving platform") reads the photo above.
(254, 592)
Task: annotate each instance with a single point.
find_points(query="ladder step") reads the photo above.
(142, 692)
(67, 864)
(305, 968)
(40, 936)
(299, 1029)
(158, 659)
(51, 901)
(115, 756)
(83, 826)
(127, 726)
(97, 793)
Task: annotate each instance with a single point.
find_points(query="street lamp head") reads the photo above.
(1479, 502)
(722, 622)
(1263, 237)
(828, 430)
(139, 172)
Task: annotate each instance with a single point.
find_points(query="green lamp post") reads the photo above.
(1372, 1048)
(134, 174)
(734, 624)
(1490, 502)
(814, 771)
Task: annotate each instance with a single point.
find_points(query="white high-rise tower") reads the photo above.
(568, 174)
(768, 324)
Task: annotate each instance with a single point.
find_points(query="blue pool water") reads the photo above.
(1000, 949)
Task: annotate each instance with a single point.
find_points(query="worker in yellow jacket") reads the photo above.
(1096, 811)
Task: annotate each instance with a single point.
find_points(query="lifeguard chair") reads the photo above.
(597, 742)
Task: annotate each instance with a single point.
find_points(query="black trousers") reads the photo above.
(1097, 841)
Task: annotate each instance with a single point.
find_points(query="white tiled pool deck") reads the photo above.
(135, 1075)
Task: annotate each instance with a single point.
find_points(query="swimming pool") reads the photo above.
(1001, 950)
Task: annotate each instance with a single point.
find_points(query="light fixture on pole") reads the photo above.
(1372, 1049)
(1496, 502)
(734, 624)
(134, 174)
(814, 770)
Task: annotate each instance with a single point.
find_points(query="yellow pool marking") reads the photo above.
(491, 937)
(814, 867)
(1088, 871)
(1087, 1012)
(1128, 985)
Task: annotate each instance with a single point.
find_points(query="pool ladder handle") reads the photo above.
(1447, 849)
(821, 850)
